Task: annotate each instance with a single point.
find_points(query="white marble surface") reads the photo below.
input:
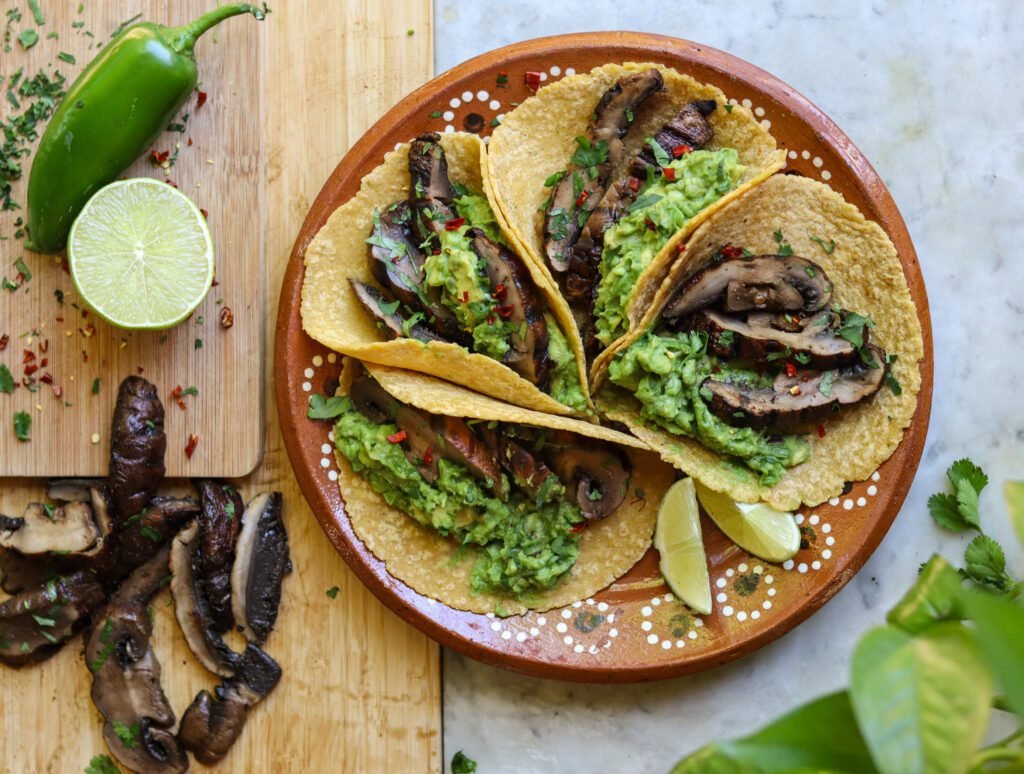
(932, 92)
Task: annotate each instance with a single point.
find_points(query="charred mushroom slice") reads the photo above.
(126, 677)
(686, 131)
(385, 312)
(148, 531)
(527, 470)
(597, 476)
(804, 399)
(68, 528)
(457, 443)
(19, 573)
(218, 531)
(72, 490)
(137, 448)
(191, 607)
(35, 624)
(432, 191)
(586, 177)
(261, 564)
(815, 343)
(773, 283)
(210, 726)
(518, 301)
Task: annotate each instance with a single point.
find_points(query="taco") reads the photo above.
(415, 272)
(779, 359)
(600, 176)
(485, 506)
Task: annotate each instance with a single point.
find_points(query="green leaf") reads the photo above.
(934, 597)
(102, 764)
(945, 513)
(820, 736)
(1001, 635)
(6, 380)
(322, 407)
(462, 763)
(1013, 491)
(129, 735)
(22, 425)
(644, 200)
(921, 701)
(829, 248)
(967, 502)
(554, 178)
(986, 563)
(965, 470)
(659, 153)
(853, 327)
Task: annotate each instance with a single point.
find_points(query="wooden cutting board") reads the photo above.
(361, 690)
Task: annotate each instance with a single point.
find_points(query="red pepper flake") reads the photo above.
(682, 247)
(201, 97)
(159, 157)
(821, 431)
(176, 394)
(730, 251)
(46, 378)
(227, 317)
(27, 356)
(190, 142)
(500, 291)
(3, 342)
(141, 370)
(428, 456)
(215, 281)
(505, 311)
(669, 173)
(85, 356)
(715, 369)
(59, 319)
(465, 296)
(44, 362)
(681, 150)
(88, 330)
(532, 78)
(45, 345)
(490, 319)
(649, 224)
(790, 370)
(436, 251)
(171, 183)
(30, 369)
(584, 195)
(190, 447)
(454, 224)
(634, 184)
(579, 527)
(204, 213)
(85, 313)
(398, 437)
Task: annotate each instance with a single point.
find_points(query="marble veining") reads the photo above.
(933, 95)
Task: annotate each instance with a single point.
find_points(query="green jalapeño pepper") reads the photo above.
(112, 114)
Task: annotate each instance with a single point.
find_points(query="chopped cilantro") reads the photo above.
(461, 764)
(48, 622)
(108, 646)
(589, 155)
(646, 200)
(28, 38)
(802, 358)
(150, 533)
(37, 12)
(436, 114)
(129, 735)
(322, 407)
(890, 378)
(728, 108)
(784, 247)
(96, 386)
(825, 386)
(102, 764)
(332, 592)
(22, 425)
(553, 179)
(193, 390)
(829, 248)
(853, 328)
(64, 56)
(725, 338)
(6, 379)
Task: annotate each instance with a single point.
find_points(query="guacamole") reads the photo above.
(565, 376)
(662, 208)
(523, 545)
(665, 372)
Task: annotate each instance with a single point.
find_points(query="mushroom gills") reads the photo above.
(126, 685)
(596, 475)
(797, 401)
(212, 724)
(261, 563)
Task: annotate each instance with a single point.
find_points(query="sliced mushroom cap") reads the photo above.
(35, 624)
(137, 447)
(72, 490)
(815, 343)
(431, 192)
(611, 121)
(526, 468)
(596, 474)
(191, 607)
(68, 528)
(801, 400)
(261, 563)
(219, 524)
(688, 128)
(758, 283)
(457, 443)
(517, 300)
(385, 311)
(19, 573)
(210, 726)
(146, 533)
(126, 676)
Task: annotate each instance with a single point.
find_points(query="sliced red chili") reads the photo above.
(454, 224)
(790, 370)
(428, 456)
(681, 150)
(201, 97)
(634, 184)
(398, 437)
(649, 224)
(731, 251)
(532, 78)
(579, 527)
(465, 296)
(682, 247)
(176, 394)
(584, 195)
(30, 369)
(27, 356)
(190, 447)
(669, 173)
(159, 157)
(505, 311)
(46, 378)
(3, 341)
(500, 291)
(44, 362)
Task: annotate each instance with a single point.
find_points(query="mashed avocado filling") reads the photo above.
(665, 373)
(662, 208)
(524, 546)
(466, 291)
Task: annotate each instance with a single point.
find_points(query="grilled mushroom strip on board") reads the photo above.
(137, 447)
(260, 566)
(126, 677)
(69, 528)
(585, 183)
(35, 624)
(211, 725)
(218, 530)
(73, 490)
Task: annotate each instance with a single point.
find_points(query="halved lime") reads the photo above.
(141, 255)
(681, 547)
(757, 528)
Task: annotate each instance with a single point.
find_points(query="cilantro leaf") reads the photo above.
(462, 764)
(659, 153)
(322, 407)
(945, 513)
(890, 378)
(6, 379)
(852, 328)
(129, 735)
(829, 248)
(332, 592)
(22, 425)
(554, 178)
(784, 247)
(965, 470)
(588, 155)
(102, 764)
(967, 503)
(646, 200)
(986, 563)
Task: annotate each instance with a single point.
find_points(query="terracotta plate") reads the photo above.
(633, 630)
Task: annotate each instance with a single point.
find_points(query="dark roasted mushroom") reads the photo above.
(72, 490)
(126, 677)
(602, 153)
(772, 283)
(796, 401)
(19, 573)
(517, 301)
(137, 447)
(260, 566)
(35, 624)
(210, 726)
(68, 528)
(431, 193)
(759, 338)
(596, 475)
(527, 469)
(385, 311)
(150, 529)
(192, 609)
(218, 530)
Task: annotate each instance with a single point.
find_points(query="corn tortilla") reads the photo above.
(422, 559)
(332, 315)
(538, 138)
(867, 277)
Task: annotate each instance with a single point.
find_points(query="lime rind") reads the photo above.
(757, 528)
(680, 545)
(141, 255)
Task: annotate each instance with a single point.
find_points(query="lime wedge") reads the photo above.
(757, 528)
(141, 255)
(681, 547)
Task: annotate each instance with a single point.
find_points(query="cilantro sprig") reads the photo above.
(322, 407)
